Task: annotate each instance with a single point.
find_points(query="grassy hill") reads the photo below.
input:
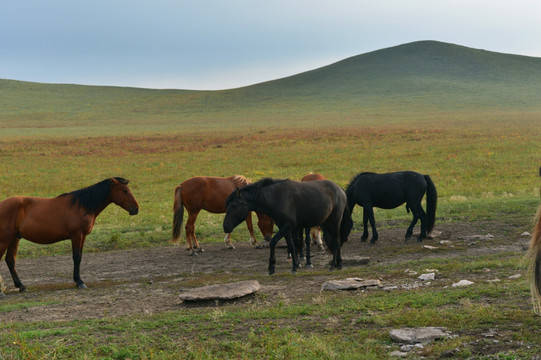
(411, 81)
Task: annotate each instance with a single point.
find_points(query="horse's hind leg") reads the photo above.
(11, 255)
(190, 233)
(418, 214)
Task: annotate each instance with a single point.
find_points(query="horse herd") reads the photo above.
(295, 207)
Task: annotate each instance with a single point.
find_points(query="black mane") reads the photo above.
(254, 187)
(93, 196)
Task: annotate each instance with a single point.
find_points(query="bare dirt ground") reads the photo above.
(149, 281)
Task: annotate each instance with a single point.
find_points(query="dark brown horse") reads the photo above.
(49, 220)
(534, 258)
(315, 232)
(209, 193)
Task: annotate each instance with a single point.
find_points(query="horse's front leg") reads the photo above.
(250, 227)
(369, 211)
(272, 259)
(292, 249)
(365, 226)
(307, 241)
(77, 243)
(11, 256)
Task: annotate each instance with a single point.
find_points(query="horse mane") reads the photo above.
(254, 187)
(354, 178)
(240, 180)
(93, 196)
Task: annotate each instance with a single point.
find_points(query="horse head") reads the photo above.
(237, 210)
(122, 196)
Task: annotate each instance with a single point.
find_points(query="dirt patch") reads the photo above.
(149, 281)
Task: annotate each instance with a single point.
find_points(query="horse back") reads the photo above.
(389, 190)
(207, 193)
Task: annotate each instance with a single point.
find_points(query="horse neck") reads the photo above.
(102, 206)
(258, 202)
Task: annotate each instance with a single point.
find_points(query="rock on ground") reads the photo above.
(221, 291)
(349, 284)
(417, 335)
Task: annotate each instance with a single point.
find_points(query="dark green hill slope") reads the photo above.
(423, 76)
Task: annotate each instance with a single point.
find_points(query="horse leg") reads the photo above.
(291, 246)
(418, 213)
(315, 234)
(369, 211)
(307, 241)
(250, 227)
(77, 243)
(190, 233)
(11, 256)
(227, 240)
(409, 232)
(299, 245)
(272, 259)
(365, 226)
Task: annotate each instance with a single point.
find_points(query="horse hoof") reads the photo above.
(293, 272)
(259, 246)
(231, 247)
(271, 271)
(82, 286)
(309, 266)
(193, 253)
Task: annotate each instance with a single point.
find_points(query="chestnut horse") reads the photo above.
(67, 216)
(209, 193)
(534, 258)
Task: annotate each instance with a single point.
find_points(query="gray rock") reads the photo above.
(221, 291)
(421, 335)
(429, 276)
(462, 283)
(349, 284)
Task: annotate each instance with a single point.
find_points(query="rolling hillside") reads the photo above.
(414, 78)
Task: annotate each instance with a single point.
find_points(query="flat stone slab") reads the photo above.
(421, 335)
(221, 291)
(349, 284)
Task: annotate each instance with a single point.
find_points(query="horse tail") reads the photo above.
(431, 204)
(533, 256)
(345, 225)
(178, 217)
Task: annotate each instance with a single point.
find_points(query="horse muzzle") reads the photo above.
(133, 211)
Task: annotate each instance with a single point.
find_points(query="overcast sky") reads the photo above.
(219, 44)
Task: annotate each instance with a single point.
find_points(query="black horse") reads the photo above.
(294, 206)
(388, 191)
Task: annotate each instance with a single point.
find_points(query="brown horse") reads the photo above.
(49, 220)
(209, 193)
(534, 258)
(315, 232)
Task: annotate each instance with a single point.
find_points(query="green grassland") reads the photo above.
(469, 118)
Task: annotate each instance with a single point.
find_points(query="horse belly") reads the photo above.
(44, 227)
